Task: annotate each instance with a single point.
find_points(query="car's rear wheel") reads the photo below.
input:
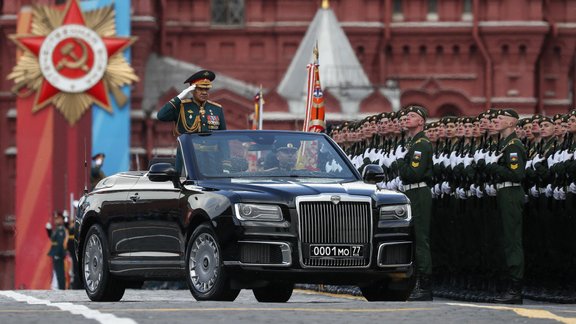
(206, 277)
(277, 292)
(98, 282)
(386, 290)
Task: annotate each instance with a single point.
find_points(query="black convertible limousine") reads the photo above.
(258, 210)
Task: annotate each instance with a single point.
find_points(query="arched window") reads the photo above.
(228, 12)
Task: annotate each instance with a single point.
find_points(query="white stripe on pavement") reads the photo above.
(69, 307)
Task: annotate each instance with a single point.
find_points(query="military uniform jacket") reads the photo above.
(191, 117)
(512, 165)
(417, 164)
(58, 237)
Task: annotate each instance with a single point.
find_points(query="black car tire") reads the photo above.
(385, 291)
(278, 292)
(205, 273)
(99, 284)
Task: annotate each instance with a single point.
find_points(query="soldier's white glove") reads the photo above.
(551, 160)
(479, 192)
(445, 160)
(534, 192)
(572, 188)
(386, 161)
(537, 159)
(479, 155)
(460, 193)
(437, 190)
(436, 160)
(48, 226)
(493, 158)
(528, 164)
(400, 152)
(490, 190)
(381, 185)
(559, 193)
(446, 188)
(548, 191)
(467, 160)
(472, 190)
(186, 91)
(566, 156)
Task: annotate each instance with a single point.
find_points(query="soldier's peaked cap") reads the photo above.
(202, 79)
(508, 112)
(418, 110)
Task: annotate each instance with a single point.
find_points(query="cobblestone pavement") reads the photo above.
(178, 306)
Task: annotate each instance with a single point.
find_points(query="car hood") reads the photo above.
(285, 190)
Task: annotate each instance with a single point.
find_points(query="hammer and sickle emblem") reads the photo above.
(77, 63)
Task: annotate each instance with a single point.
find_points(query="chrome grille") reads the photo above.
(323, 222)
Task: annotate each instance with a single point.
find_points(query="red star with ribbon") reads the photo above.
(73, 16)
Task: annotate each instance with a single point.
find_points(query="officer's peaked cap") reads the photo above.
(202, 79)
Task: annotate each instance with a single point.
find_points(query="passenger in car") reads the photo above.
(195, 115)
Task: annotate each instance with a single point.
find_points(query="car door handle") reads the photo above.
(135, 197)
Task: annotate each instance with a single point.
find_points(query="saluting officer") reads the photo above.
(415, 169)
(59, 240)
(194, 115)
(508, 168)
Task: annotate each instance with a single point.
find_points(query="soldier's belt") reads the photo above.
(506, 185)
(407, 187)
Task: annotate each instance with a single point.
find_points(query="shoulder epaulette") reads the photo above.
(215, 103)
(422, 139)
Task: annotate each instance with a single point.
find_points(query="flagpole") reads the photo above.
(310, 87)
(261, 110)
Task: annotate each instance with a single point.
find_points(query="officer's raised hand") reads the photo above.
(186, 91)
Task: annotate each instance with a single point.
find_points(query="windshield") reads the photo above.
(266, 155)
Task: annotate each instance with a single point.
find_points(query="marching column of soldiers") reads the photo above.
(503, 220)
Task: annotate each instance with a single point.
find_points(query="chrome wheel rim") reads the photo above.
(93, 263)
(204, 263)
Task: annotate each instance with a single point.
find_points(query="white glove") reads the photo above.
(186, 91)
(381, 185)
(400, 152)
(493, 158)
(436, 160)
(551, 160)
(387, 161)
(479, 192)
(549, 192)
(48, 226)
(472, 190)
(572, 188)
(445, 160)
(467, 160)
(537, 159)
(436, 189)
(566, 156)
(559, 193)
(479, 155)
(534, 192)
(528, 164)
(460, 193)
(446, 188)
(490, 190)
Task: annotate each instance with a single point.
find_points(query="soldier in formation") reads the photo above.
(503, 192)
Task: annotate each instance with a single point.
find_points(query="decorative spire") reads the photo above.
(325, 4)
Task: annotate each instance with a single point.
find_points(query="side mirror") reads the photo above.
(373, 173)
(160, 172)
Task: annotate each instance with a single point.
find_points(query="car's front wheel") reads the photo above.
(98, 282)
(206, 275)
(278, 292)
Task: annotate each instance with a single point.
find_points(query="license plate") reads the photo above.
(336, 251)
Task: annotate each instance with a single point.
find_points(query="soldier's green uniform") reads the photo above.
(58, 253)
(192, 116)
(510, 172)
(414, 171)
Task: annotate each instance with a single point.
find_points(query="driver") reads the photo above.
(285, 155)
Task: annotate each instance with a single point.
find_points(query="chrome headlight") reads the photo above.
(394, 212)
(258, 212)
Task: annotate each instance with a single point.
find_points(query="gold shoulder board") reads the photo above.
(215, 103)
